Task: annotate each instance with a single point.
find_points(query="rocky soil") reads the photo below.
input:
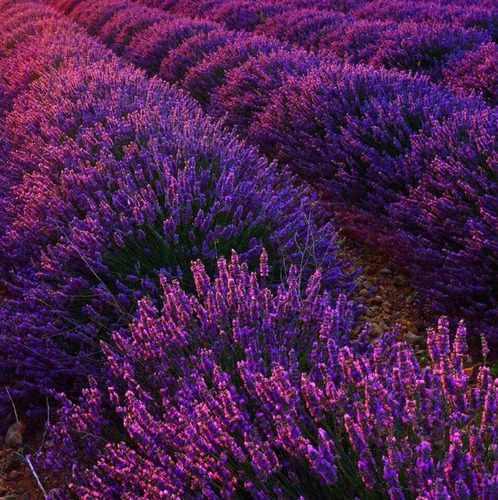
(387, 295)
(17, 481)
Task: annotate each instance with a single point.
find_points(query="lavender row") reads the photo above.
(241, 391)
(371, 140)
(110, 179)
(420, 36)
(425, 46)
(248, 15)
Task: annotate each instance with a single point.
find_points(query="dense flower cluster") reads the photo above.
(149, 47)
(177, 64)
(239, 390)
(419, 47)
(476, 72)
(126, 24)
(245, 14)
(348, 129)
(466, 13)
(450, 219)
(304, 27)
(248, 88)
(205, 78)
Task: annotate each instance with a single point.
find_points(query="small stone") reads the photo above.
(363, 292)
(396, 315)
(13, 462)
(56, 493)
(367, 285)
(378, 299)
(412, 339)
(400, 280)
(375, 330)
(15, 435)
(410, 327)
(13, 474)
(386, 270)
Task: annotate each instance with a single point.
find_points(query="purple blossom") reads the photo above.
(248, 374)
(475, 71)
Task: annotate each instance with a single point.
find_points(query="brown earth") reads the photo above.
(17, 482)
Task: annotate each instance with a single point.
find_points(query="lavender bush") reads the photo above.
(248, 88)
(482, 15)
(151, 46)
(347, 129)
(121, 28)
(192, 52)
(424, 47)
(244, 15)
(244, 391)
(93, 16)
(450, 219)
(202, 80)
(303, 27)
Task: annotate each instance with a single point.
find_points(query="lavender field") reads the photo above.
(182, 315)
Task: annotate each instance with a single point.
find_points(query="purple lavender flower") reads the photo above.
(264, 381)
(149, 47)
(475, 71)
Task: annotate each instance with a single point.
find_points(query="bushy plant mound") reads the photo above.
(94, 16)
(193, 51)
(348, 128)
(240, 390)
(418, 47)
(303, 27)
(123, 26)
(112, 179)
(244, 15)
(202, 80)
(466, 13)
(450, 218)
(248, 88)
(149, 47)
